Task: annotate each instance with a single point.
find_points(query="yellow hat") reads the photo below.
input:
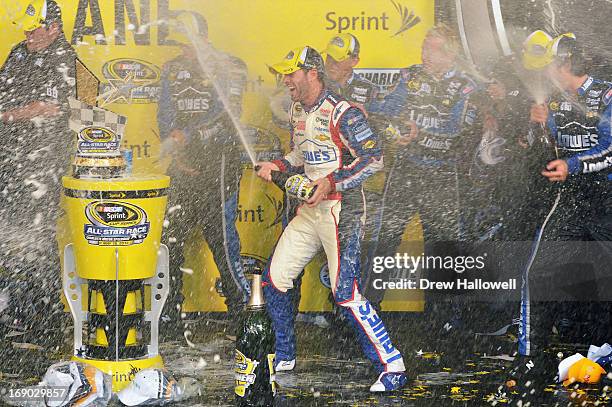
(299, 58)
(535, 55)
(37, 13)
(342, 47)
(187, 25)
(562, 45)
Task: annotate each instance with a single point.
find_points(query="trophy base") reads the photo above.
(98, 172)
(99, 167)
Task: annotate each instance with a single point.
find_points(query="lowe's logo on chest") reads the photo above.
(192, 100)
(317, 153)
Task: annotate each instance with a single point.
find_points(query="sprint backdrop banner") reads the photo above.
(122, 43)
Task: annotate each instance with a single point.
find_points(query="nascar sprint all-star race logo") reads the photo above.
(115, 223)
(130, 81)
(97, 140)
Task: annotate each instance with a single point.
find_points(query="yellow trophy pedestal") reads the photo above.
(116, 274)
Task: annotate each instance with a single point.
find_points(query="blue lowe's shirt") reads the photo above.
(441, 109)
(190, 98)
(581, 127)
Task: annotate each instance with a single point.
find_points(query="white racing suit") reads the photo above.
(332, 139)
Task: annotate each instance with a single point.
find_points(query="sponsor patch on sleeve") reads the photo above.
(468, 89)
(359, 127)
(340, 109)
(368, 145)
(470, 116)
(362, 135)
(607, 97)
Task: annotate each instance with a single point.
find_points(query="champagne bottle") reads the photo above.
(254, 363)
(278, 178)
(296, 186)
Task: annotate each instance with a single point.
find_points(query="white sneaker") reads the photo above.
(389, 381)
(285, 365)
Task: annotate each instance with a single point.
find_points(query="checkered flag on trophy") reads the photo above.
(83, 115)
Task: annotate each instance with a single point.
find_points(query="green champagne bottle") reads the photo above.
(254, 364)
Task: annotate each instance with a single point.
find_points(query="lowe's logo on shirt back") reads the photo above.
(315, 153)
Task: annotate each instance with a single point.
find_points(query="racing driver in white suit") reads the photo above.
(334, 147)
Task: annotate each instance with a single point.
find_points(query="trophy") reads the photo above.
(99, 134)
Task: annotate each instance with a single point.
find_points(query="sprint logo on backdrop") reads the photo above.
(372, 21)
